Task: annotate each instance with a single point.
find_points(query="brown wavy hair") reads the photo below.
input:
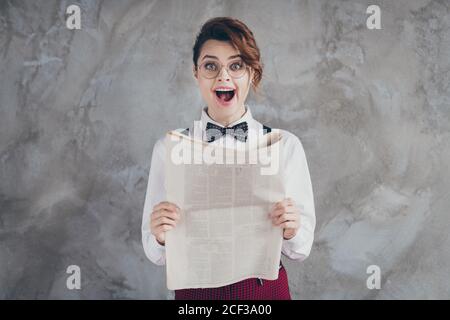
(239, 35)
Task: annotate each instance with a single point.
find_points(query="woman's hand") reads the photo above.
(287, 216)
(164, 217)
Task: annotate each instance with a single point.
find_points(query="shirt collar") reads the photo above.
(247, 116)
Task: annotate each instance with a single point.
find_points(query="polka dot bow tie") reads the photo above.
(238, 131)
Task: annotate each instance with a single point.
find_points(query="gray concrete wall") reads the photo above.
(80, 111)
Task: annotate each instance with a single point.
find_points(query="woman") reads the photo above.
(226, 64)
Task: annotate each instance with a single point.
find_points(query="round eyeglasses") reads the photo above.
(211, 69)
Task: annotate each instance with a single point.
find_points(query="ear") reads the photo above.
(194, 70)
(251, 74)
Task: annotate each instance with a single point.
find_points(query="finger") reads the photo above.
(284, 203)
(285, 217)
(276, 205)
(290, 201)
(167, 206)
(169, 203)
(164, 228)
(165, 213)
(287, 202)
(277, 212)
(161, 221)
(290, 225)
(289, 233)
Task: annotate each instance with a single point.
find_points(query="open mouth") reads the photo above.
(225, 95)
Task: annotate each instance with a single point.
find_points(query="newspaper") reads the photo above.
(225, 234)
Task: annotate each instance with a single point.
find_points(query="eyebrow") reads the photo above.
(214, 57)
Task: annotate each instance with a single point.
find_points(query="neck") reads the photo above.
(225, 120)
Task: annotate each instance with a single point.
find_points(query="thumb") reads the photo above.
(161, 238)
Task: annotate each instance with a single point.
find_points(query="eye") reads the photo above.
(236, 66)
(210, 66)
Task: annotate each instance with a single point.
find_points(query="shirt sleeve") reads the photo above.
(155, 193)
(299, 188)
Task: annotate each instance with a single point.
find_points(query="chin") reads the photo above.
(225, 110)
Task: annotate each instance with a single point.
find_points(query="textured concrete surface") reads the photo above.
(80, 111)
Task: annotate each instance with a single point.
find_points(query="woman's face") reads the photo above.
(225, 93)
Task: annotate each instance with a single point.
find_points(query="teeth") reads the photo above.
(224, 90)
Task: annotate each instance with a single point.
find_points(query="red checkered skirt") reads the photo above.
(248, 289)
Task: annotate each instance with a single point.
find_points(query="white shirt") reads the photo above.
(296, 178)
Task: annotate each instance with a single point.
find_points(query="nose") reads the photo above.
(223, 75)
